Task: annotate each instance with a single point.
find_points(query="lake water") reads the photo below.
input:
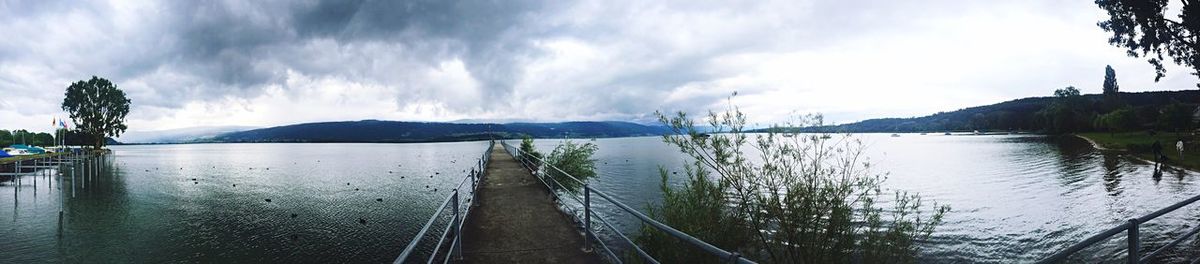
(1015, 198)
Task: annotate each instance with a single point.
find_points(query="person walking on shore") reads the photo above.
(1179, 146)
(1158, 156)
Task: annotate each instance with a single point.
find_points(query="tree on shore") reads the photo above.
(1176, 117)
(1068, 113)
(43, 139)
(1144, 29)
(98, 109)
(22, 136)
(1120, 120)
(1111, 88)
(1112, 93)
(808, 198)
(6, 138)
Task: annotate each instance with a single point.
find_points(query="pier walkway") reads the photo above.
(508, 211)
(517, 221)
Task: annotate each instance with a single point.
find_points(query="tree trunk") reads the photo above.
(99, 142)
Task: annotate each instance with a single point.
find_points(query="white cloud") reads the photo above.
(263, 64)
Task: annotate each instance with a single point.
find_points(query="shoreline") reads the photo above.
(1136, 156)
(1094, 144)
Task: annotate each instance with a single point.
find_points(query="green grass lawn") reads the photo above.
(1139, 144)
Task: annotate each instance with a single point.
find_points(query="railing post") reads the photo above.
(587, 218)
(456, 248)
(1134, 245)
(733, 257)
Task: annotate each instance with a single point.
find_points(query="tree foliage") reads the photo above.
(1111, 88)
(98, 109)
(569, 163)
(43, 139)
(1120, 120)
(575, 162)
(1069, 93)
(1176, 117)
(6, 138)
(1144, 29)
(1067, 114)
(529, 154)
(22, 136)
(804, 198)
(697, 208)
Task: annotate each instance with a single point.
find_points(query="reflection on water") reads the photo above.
(1015, 198)
(209, 203)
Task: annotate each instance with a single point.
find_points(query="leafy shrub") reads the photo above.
(529, 155)
(809, 198)
(575, 160)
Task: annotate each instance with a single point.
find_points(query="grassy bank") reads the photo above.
(1139, 144)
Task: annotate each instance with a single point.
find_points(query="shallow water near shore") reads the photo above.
(1015, 198)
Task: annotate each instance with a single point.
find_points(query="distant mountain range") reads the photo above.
(1014, 115)
(397, 131)
(182, 135)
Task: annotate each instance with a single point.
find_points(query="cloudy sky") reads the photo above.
(265, 63)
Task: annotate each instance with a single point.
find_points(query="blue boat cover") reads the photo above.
(4, 154)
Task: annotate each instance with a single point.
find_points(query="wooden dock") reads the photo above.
(517, 221)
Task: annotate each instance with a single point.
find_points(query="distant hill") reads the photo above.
(1014, 115)
(396, 131)
(182, 135)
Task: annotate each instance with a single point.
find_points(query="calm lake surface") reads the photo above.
(1015, 198)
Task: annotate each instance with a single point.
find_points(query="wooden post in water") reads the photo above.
(49, 180)
(84, 173)
(72, 181)
(61, 197)
(17, 175)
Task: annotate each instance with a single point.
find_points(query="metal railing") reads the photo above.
(589, 216)
(1130, 227)
(454, 227)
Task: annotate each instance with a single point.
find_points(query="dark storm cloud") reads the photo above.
(252, 61)
(241, 46)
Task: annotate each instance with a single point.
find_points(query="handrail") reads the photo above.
(588, 190)
(456, 223)
(1131, 227)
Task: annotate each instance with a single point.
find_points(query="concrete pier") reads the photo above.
(517, 221)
